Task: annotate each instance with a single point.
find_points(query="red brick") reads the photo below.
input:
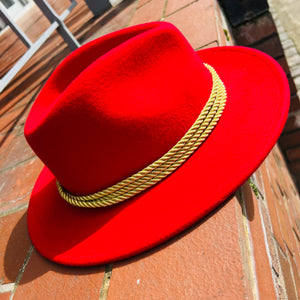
(295, 167)
(151, 11)
(278, 177)
(12, 206)
(290, 188)
(14, 245)
(5, 296)
(17, 151)
(295, 213)
(271, 199)
(43, 279)
(123, 15)
(262, 266)
(292, 122)
(289, 140)
(23, 117)
(295, 103)
(287, 275)
(211, 45)
(272, 245)
(297, 179)
(18, 94)
(40, 21)
(283, 63)
(9, 120)
(293, 154)
(271, 46)
(256, 30)
(17, 183)
(30, 78)
(284, 177)
(278, 158)
(296, 254)
(60, 6)
(285, 225)
(295, 244)
(291, 195)
(81, 14)
(194, 265)
(143, 2)
(7, 60)
(13, 101)
(297, 227)
(191, 21)
(296, 274)
(296, 200)
(276, 164)
(174, 5)
(285, 192)
(293, 89)
(259, 178)
(5, 141)
(15, 111)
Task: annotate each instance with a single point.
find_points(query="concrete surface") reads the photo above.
(286, 14)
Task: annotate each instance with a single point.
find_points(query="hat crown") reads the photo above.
(117, 104)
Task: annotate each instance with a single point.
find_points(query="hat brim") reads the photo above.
(254, 116)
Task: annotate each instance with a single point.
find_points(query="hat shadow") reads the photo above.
(37, 265)
(20, 254)
(246, 200)
(174, 239)
(23, 264)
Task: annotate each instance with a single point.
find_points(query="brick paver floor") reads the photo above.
(19, 167)
(206, 262)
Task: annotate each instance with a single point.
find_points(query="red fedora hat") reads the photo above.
(141, 137)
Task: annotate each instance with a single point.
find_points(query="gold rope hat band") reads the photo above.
(165, 165)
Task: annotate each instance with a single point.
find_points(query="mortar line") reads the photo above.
(21, 272)
(135, 10)
(143, 4)
(206, 45)
(13, 210)
(280, 287)
(270, 247)
(181, 8)
(248, 248)
(18, 164)
(164, 11)
(106, 282)
(7, 287)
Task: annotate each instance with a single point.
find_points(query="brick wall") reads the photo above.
(254, 26)
(279, 210)
(278, 199)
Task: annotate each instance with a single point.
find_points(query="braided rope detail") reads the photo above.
(165, 165)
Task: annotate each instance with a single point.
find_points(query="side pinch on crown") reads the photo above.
(168, 163)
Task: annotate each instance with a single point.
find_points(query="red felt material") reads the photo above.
(120, 102)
